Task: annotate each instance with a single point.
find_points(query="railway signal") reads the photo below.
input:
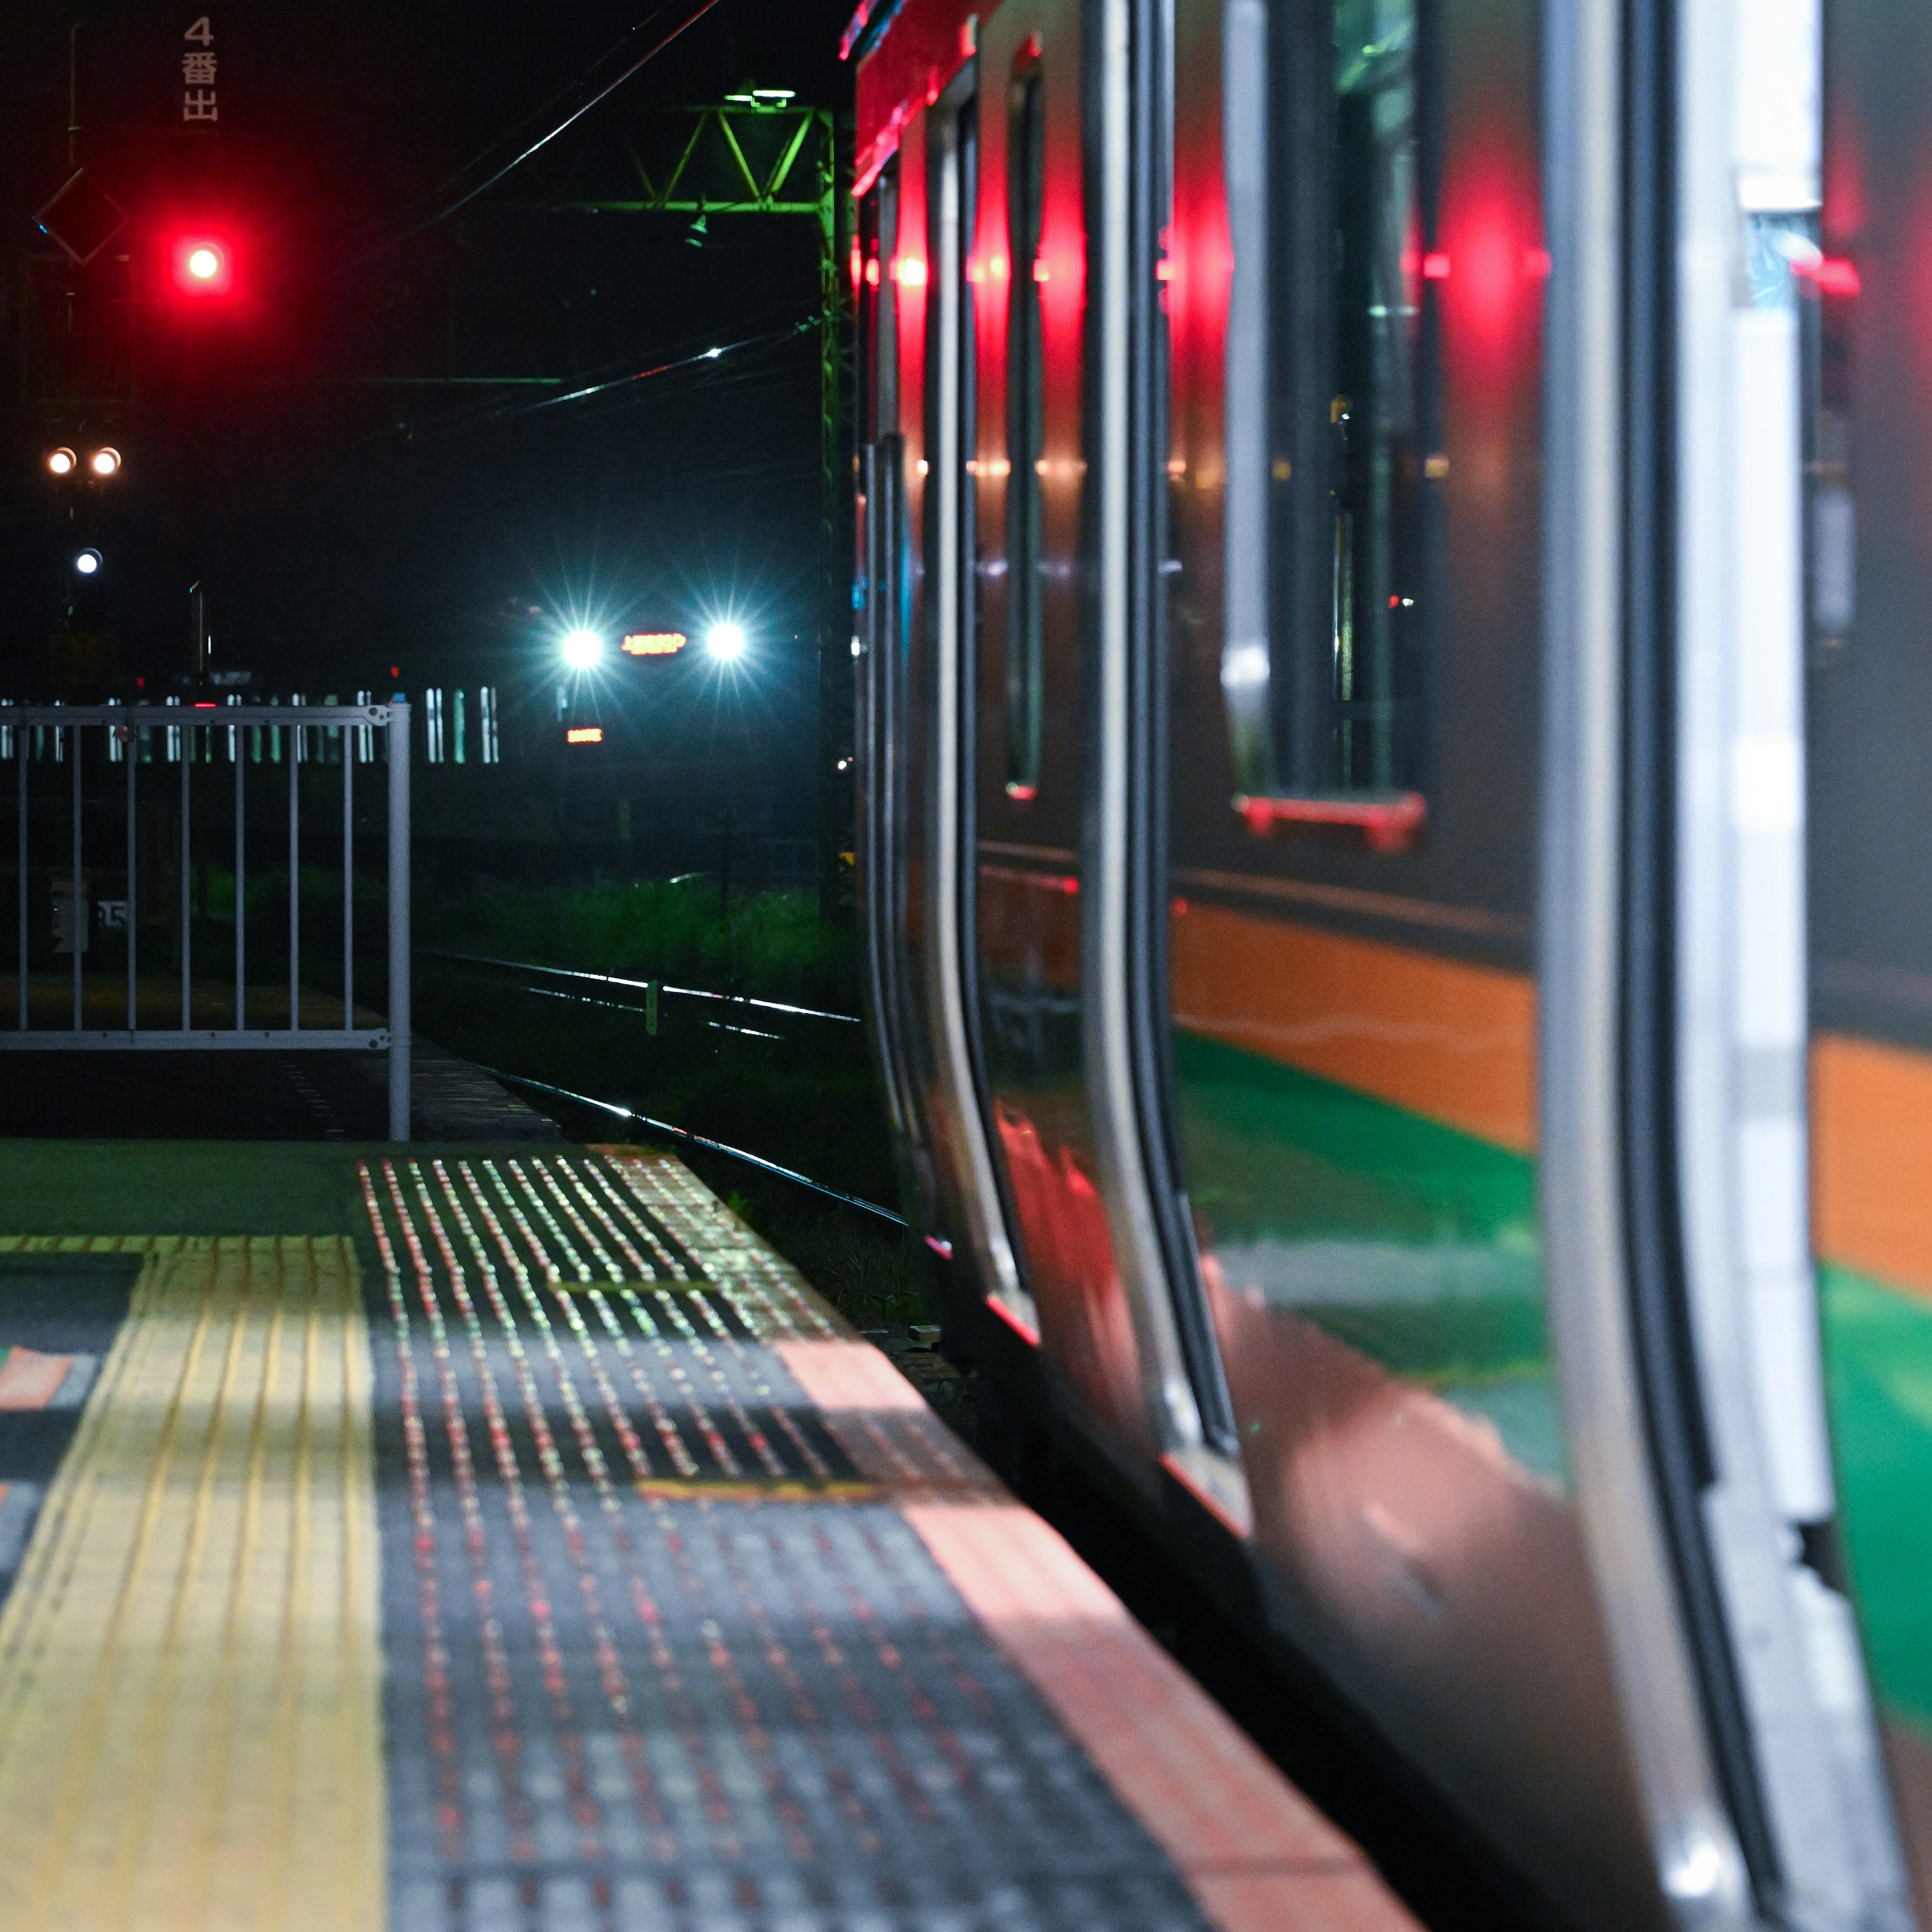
(87, 562)
(202, 266)
(61, 462)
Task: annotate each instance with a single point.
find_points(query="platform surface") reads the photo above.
(506, 1537)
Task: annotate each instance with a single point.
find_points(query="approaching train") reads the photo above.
(1395, 723)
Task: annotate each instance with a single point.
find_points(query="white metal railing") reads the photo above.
(236, 734)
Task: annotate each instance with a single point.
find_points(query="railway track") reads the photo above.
(646, 997)
(685, 1137)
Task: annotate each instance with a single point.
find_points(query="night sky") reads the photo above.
(344, 520)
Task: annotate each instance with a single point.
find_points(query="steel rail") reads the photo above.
(704, 1141)
(638, 986)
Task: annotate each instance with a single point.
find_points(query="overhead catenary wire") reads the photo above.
(626, 391)
(544, 106)
(691, 20)
(620, 391)
(703, 356)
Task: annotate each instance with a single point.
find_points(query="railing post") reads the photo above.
(73, 928)
(399, 920)
(241, 879)
(20, 744)
(295, 877)
(132, 748)
(187, 881)
(348, 880)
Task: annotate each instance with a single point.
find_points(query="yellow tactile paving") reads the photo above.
(191, 1662)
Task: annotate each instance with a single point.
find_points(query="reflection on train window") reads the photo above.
(1323, 656)
(1026, 173)
(1375, 460)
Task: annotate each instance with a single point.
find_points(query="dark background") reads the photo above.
(344, 521)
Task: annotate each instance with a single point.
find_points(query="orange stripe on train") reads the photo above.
(1871, 1158)
(1454, 1041)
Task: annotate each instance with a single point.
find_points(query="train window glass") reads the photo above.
(1376, 463)
(1026, 414)
(1323, 653)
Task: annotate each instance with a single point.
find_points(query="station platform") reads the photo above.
(489, 1538)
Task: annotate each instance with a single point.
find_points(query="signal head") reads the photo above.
(61, 462)
(87, 562)
(202, 266)
(104, 462)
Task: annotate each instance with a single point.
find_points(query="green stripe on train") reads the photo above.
(1415, 1243)
(1878, 1361)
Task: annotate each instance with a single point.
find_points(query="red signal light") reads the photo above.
(202, 266)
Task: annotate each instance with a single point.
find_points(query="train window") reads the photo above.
(1323, 653)
(1026, 411)
(1375, 462)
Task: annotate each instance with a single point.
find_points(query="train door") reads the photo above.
(918, 643)
(1030, 267)
(881, 724)
(1355, 274)
(1516, 1331)
(945, 694)
(1067, 382)
(1705, 1103)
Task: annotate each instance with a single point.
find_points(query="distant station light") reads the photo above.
(655, 643)
(104, 462)
(726, 642)
(88, 562)
(61, 462)
(584, 734)
(583, 649)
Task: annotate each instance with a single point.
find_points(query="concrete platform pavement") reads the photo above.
(470, 1537)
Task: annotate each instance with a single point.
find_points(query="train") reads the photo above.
(1392, 791)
